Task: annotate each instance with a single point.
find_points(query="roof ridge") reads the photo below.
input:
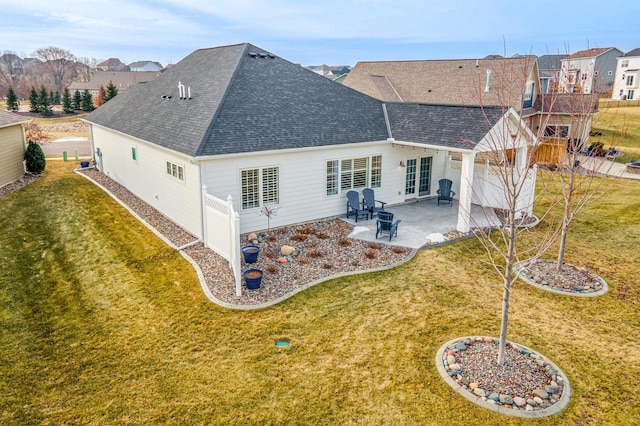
(216, 113)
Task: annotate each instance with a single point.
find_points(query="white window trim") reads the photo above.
(338, 170)
(261, 189)
(177, 173)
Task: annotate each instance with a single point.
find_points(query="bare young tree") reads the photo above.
(59, 63)
(509, 153)
(576, 185)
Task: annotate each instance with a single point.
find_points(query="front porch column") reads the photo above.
(466, 191)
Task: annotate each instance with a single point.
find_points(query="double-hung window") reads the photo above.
(260, 187)
(353, 174)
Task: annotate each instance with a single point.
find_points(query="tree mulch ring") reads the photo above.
(526, 385)
(571, 280)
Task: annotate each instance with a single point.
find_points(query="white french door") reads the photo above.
(418, 177)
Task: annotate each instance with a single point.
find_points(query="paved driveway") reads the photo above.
(69, 144)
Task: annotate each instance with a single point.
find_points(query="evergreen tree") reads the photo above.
(12, 100)
(67, 102)
(52, 97)
(33, 101)
(44, 102)
(77, 100)
(112, 91)
(34, 158)
(87, 101)
(56, 98)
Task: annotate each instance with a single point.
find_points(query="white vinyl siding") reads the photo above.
(150, 180)
(11, 153)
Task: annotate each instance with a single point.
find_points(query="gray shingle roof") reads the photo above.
(460, 127)
(634, 52)
(9, 118)
(243, 99)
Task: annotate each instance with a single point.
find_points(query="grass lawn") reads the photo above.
(620, 127)
(101, 323)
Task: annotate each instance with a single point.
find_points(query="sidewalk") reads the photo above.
(607, 167)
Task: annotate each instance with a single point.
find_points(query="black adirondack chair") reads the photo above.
(445, 194)
(353, 206)
(370, 202)
(386, 225)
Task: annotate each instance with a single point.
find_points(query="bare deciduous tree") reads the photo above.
(510, 154)
(59, 63)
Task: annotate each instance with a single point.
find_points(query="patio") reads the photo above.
(421, 221)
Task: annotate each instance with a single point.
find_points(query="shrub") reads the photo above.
(327, 266)
(374, 246)
(307, 230)
(398, 250)
(299, 237)
(272, 269)
(370, 254)
(344, 242)
(35, 158)
(322, 235)
(315, 253)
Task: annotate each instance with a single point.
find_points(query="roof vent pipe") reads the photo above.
(488, 86)
(181, 91)
(189, 92)
(477, 63)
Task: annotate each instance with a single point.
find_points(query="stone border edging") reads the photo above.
(554, 409)
(316, 282)
(603, 290)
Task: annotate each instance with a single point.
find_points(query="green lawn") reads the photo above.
(620, 127)
(101, 323)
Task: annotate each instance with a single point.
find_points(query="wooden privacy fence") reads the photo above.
(222, 231)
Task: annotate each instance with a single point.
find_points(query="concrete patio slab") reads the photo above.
(423, 222)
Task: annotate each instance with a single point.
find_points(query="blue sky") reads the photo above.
(316, 32)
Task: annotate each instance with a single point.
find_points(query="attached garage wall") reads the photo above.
(11, 154)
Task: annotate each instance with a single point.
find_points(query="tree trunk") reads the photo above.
(566, 218)
(508, 280)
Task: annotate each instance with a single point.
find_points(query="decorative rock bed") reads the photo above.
(633, 167)
(528, 385)
(572, 280)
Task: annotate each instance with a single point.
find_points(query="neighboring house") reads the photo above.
(549, 67)
(112, 64)
(140, 66)
(12, 147)
(491, 81)
(242, 122)
(625, 86)
(123, 80)
(332, 72)
(589, 71)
